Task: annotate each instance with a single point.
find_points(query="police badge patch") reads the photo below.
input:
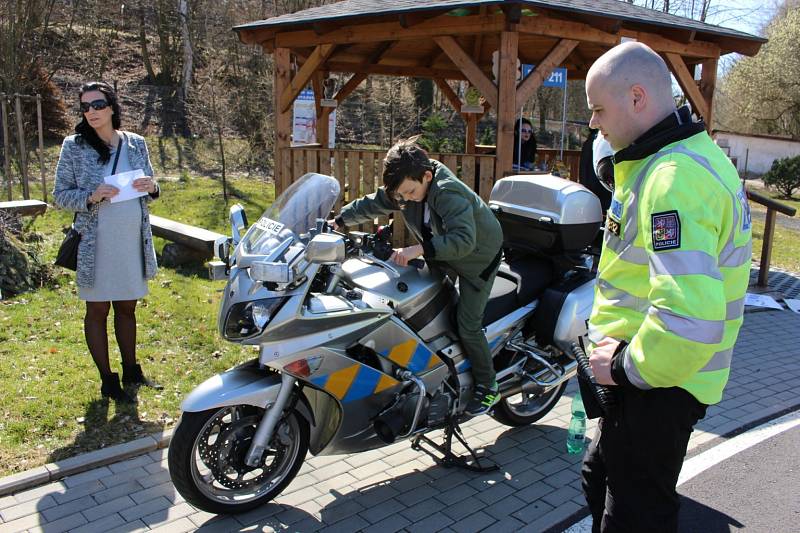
(666, 230)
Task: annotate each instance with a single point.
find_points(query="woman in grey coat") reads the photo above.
(115, 255)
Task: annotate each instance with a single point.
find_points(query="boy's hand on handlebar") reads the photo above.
(332, 223)
(402, 256)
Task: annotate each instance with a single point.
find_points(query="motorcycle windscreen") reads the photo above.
(293, 213)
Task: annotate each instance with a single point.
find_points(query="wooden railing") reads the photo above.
(769, 231)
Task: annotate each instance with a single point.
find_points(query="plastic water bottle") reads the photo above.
(576, 434)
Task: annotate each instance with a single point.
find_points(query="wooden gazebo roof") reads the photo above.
(455, 40)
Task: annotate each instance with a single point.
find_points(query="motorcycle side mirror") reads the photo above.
(222, 248)
(239, 224)
(325, 248)
(270, 272)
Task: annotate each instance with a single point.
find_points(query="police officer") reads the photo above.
(670, 292)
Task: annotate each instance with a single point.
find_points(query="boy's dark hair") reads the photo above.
(404, 160)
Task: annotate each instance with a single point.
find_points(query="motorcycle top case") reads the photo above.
(545, 213)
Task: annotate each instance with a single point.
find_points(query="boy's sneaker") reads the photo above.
(483, 399)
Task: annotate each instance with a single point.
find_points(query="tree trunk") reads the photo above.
(188, 65)
(218, 126)
(188, 53)
(148, 66)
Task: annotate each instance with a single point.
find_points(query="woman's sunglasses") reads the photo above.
(97, 105)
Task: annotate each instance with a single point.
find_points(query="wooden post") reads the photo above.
(283, 120)
(6, 147)
(766, 248)
(506, 102)
(472, 133)
(21, 139)
(41, 145)
(708, 79)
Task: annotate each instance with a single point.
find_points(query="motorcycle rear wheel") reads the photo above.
(206, 458)
(524, 409)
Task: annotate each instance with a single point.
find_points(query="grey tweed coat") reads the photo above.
(78, 174)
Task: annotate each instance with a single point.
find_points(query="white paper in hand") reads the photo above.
(124, 182)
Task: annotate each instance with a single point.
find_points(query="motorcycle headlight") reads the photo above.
(248, 319)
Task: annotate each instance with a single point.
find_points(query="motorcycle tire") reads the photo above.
(512, 414)
(224, 488)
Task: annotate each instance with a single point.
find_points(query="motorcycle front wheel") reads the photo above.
(207, 452)
(523, 409)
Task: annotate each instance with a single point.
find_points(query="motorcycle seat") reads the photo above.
(517, 283)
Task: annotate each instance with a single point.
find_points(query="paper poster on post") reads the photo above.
(124, 182)
(304, 121)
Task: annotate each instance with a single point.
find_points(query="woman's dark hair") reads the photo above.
(86, 132)
(404, 160)
(528, 147)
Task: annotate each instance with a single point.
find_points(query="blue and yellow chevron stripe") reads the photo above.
(354, 382)
(413, 356)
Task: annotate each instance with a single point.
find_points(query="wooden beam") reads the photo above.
(664, 45)
(301, 79)
(472, 72)
(351, 85)
(325, 27)
(283, 119)
(563, 29)
(471, 133)
(748, 48)
(395, 70)
(513, 13)
(316, 84)
(393, 31)
(408, 20)
(543, 70)
(506, 101)
(687, 83)
(449, 93)
(708, 80)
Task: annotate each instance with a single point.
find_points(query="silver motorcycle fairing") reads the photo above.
(246, 384)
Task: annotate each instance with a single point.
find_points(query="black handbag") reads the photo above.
(68, 251)
(67, 256)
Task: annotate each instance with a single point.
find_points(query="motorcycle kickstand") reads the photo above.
(448, 458)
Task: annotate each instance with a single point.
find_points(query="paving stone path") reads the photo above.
(398, 489)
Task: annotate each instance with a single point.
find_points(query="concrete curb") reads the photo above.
(81, 463)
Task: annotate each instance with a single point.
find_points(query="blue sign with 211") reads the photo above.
(558, 78)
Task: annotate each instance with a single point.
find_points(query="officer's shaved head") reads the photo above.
(629, 90)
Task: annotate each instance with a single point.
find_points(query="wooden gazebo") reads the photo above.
(455, 40)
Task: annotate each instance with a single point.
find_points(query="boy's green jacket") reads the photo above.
(466, 234)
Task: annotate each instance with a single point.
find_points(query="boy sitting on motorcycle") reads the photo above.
(448, 218)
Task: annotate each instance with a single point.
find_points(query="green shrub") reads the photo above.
(784, 176)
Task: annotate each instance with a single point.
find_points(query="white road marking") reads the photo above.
(717, 454)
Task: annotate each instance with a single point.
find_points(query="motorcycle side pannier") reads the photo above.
(545, 213)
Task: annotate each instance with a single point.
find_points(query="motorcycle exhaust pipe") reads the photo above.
(525, 384)
(389, 425)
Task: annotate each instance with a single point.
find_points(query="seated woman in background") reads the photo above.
(524, 145)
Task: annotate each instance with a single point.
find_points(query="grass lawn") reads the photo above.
(786, 242)
(49, 386)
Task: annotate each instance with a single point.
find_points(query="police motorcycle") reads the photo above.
(356, 352)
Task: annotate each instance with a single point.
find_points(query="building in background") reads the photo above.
(754, 154)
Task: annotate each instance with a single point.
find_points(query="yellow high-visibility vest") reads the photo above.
(675, 267)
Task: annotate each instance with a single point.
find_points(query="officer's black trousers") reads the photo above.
(631, 467)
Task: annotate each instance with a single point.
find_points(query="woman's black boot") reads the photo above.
(132, 375)
(112, 389)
